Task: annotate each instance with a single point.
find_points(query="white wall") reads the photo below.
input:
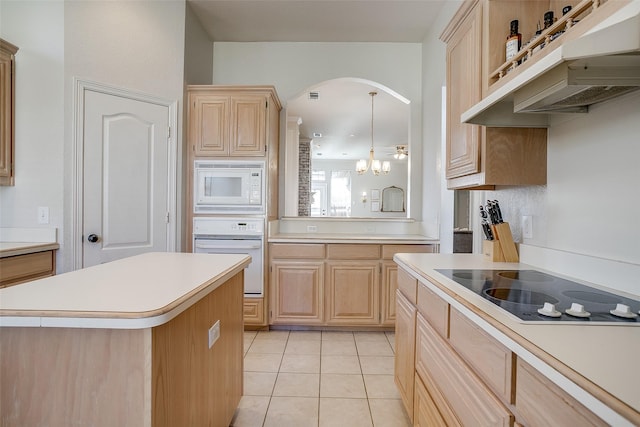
(591, 203)
(37, 28)
(133, 45)
(293, 67)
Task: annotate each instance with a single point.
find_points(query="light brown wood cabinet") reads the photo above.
(462, 375)
(229, 121)
(7, 111)
(236, 123)
(405, 342)
(336, 284)
(478, 157)
(23, 268)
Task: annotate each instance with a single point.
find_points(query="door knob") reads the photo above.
(92, 238)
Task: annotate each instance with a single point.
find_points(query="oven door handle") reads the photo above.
(224, 246)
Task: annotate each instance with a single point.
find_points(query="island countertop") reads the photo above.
(606, 356)
(137, 292)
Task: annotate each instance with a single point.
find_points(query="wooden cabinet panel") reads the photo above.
(492, 361)
(388, 251)
(408, 285)
(540, 402)
(209, 128)
(430, 407)
(248, 126)
(466, 395)
(352, 293)
(22, 268)
(463, 91)
(434, 309)
(388, 297)
(405, 340)
(296, 250)
(297, 292)
(7, 108)
(356, 251)
(254, 311)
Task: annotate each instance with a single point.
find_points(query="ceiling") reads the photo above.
(317, 20)
(342, 114)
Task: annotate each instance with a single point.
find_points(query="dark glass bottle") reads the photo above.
(514, 41)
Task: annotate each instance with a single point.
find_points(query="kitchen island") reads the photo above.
(530, 373)
(151, 340)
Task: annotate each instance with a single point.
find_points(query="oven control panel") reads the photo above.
(228, 226)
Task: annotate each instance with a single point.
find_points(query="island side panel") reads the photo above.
(193, 384)
(70, 376)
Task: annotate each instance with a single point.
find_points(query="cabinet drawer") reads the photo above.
(21, 268)
(434, 309)
(253, 311)
(288, 250)
(426, 410)
(347, 251)
(408, 285)
(466, 395)
(541, 402)
(388, 251)
(492, 361)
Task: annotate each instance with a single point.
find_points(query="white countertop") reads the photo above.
(137, 292)
(386, 239)
(8, 249)
(605, 355)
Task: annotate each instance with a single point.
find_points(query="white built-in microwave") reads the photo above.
(228, 186)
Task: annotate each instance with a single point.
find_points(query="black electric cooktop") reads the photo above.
(528, 294)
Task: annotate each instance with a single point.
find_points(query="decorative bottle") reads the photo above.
(514, 41)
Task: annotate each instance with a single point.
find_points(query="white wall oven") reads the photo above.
(234, 236)
(228, 187)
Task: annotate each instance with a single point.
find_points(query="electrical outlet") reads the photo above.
(43, 215)
(214, 333)
(312, 228)
(527, 227)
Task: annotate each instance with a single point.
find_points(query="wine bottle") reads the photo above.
(514, 41)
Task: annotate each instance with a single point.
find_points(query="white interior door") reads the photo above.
(126, 177)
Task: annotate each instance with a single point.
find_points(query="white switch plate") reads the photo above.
(43, 215)
(214, 333)
(527, 227)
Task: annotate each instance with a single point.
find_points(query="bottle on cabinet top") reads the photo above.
(514, 41)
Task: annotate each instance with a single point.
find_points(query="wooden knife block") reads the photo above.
(492, 250)
(502, 232)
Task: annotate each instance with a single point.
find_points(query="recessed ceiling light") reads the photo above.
(317, 135)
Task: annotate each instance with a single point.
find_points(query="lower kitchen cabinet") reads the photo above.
(353, 292)
(540, 402)
(405, 345)
(297, 292)
(23, 268)
(451, 371)
(335, 284)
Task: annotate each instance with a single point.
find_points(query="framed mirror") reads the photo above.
(329, 128)
(392, 199)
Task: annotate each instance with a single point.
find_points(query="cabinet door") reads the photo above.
(209, 124)
(353, 293)
(7, 98)
(297, 292)
(405, 345)
(389, 287)
(464, 90)
(426, 413)
(248, 126)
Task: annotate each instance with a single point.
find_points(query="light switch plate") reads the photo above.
(43, 215)
(527, 227)
(214, 333)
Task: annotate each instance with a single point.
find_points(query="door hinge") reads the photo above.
(167, 218)
(270, 314)
(266, 104)
(169, 132)
(265, 148)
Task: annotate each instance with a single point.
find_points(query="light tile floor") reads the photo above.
(319, 379)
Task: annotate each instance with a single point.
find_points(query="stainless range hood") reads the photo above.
(602, 64)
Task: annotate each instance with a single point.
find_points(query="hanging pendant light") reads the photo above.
(362, 166)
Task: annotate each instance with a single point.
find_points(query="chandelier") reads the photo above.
(376, 166)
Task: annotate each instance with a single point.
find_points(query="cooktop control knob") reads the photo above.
(623, 310)
(577, 310)
(549, 310)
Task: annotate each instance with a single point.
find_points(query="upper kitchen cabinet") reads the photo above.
(478, 157)
(233, 121)
(584, 52)
(7, 102)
